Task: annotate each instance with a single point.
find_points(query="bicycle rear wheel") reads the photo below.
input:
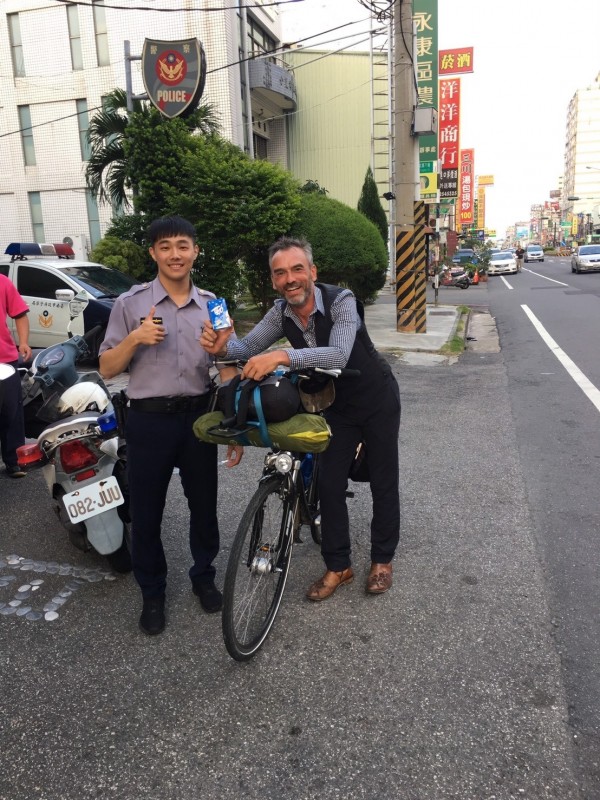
(257, 570)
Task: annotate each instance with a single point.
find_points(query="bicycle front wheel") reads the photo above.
(257, 569)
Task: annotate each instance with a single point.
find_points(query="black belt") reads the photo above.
(171, 405)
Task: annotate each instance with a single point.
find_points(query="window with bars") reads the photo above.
(16, 45)
(260, 146)
(259, 40)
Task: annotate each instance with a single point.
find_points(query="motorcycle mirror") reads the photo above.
(78, 304)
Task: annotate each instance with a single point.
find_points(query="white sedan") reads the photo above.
(502, 263)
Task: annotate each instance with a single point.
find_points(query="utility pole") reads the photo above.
(410, 295)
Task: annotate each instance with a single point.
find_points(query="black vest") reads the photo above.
(374, 369)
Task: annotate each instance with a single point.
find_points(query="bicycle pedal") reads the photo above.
(349, 494)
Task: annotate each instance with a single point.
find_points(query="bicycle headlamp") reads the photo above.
(284, 463)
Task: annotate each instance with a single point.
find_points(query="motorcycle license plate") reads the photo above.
(93, 499)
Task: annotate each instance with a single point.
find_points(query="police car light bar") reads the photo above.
(19, 250)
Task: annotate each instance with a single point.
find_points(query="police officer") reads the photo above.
(154, 330)
(324, 327)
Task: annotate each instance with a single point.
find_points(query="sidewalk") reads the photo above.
(441, 320)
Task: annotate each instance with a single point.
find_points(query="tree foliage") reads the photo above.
(107, 172)
(239, 206)
(125, 256)
(369, 204)
(347, 247)
(313, 186)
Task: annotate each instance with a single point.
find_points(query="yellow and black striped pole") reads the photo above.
(405, 280)
(420, 267)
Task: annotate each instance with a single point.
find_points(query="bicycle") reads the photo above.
(287, 498)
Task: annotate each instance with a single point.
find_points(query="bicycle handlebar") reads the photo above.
(302, 372)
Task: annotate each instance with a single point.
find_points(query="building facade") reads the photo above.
(58, 61)
(582, 163)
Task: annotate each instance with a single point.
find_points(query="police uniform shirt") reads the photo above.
(177, 366)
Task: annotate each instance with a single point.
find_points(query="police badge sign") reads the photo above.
(174, 74)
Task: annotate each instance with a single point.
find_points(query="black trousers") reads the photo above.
(156, 443)
(379, 428)
(12, 430)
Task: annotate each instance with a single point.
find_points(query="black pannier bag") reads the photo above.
(274, 399)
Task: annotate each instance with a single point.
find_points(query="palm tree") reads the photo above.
(106, 172)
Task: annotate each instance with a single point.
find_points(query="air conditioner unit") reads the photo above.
(79, 243)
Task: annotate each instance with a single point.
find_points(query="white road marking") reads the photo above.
(560, 283)
(506, 283)
(584, 383)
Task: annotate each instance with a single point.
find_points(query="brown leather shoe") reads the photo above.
(326, 586)
(380, 578)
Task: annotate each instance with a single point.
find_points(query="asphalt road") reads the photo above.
(557, 435)
(449, 686)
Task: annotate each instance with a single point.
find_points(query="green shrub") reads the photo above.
(128, 257)
(347, 248)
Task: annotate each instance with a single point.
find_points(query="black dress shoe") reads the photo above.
(152, 620)
(15, 472)
(211, 598)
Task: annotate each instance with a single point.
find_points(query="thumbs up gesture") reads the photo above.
(150, 332)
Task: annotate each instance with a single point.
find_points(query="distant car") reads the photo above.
(464, 256)
(533, 252)
(502, 263)
(586, 258)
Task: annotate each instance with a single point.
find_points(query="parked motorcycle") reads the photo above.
(453, 278)
(83, 458)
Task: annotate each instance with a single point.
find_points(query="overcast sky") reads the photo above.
(530, 58)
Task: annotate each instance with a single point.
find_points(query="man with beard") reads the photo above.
(325, 329)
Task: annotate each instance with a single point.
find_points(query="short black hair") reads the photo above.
(166, 227)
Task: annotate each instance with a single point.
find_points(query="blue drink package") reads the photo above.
(219, 316)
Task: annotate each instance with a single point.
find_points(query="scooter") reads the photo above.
(448, 278)
(83, 458)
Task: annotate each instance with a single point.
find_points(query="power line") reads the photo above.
(170, 10)
(266, 54)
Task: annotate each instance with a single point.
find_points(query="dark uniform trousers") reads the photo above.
(379, 428)
(12, 431)
(156, 443)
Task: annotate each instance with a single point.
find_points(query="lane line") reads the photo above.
(584, 383)
(539, 274)
(506, 283)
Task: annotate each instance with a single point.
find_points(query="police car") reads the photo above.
(39, 271)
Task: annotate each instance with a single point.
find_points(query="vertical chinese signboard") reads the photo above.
(449, 136)
(466, 187)
(425, 16)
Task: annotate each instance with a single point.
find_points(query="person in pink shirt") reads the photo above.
(12, 432)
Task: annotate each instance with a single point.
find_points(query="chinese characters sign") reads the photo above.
(449, 135)
(467, 186)
(425, 17)
(453, 62)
